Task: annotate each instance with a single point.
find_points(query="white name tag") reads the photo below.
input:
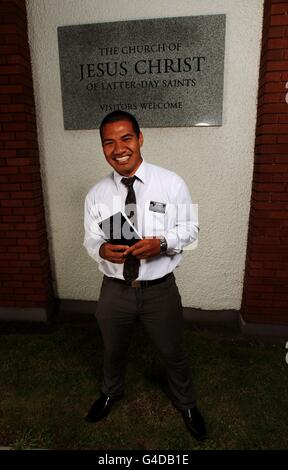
(157, 207)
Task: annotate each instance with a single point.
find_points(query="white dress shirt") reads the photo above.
(173, 216)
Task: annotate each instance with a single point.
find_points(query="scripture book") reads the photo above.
(118, 229)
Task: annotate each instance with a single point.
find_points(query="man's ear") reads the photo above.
(141, 139)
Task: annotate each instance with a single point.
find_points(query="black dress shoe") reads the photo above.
(101, 408)
(195, 423)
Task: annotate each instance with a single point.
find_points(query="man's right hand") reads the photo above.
(113, 253)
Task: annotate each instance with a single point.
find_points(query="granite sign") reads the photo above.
(168, 72)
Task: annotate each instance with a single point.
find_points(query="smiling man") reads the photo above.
(138, 280)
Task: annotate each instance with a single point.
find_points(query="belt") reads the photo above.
(137, 284)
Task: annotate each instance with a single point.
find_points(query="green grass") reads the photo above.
(49, 381)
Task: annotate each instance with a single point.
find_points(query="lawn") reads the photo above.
(48, 382)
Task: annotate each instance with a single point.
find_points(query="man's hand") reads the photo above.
(113, 253)
(146, 248)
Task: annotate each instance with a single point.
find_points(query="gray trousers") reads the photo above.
(159, 309)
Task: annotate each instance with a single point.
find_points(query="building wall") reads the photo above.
(25, 276)
(265, 293)
(217, 163)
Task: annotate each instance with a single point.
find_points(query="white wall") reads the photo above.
(216, 162)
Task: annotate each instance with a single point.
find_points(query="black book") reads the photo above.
(118, 230)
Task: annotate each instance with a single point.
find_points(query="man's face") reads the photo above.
(121, 147)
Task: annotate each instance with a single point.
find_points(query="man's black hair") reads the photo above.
(116, 116)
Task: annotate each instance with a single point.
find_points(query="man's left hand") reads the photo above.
(146, 248)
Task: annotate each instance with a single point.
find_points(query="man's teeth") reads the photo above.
(122, 159)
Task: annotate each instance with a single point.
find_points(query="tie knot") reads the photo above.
(129, 181)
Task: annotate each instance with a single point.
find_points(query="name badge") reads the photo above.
(157, 207)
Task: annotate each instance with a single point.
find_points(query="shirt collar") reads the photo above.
(140, 173)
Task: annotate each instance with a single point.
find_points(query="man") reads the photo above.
(138, 279)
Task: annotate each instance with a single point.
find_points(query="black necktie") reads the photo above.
(131, 264)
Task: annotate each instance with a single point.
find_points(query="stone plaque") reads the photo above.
(168, 72)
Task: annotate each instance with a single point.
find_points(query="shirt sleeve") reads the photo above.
(186, 228)
(93, 238)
